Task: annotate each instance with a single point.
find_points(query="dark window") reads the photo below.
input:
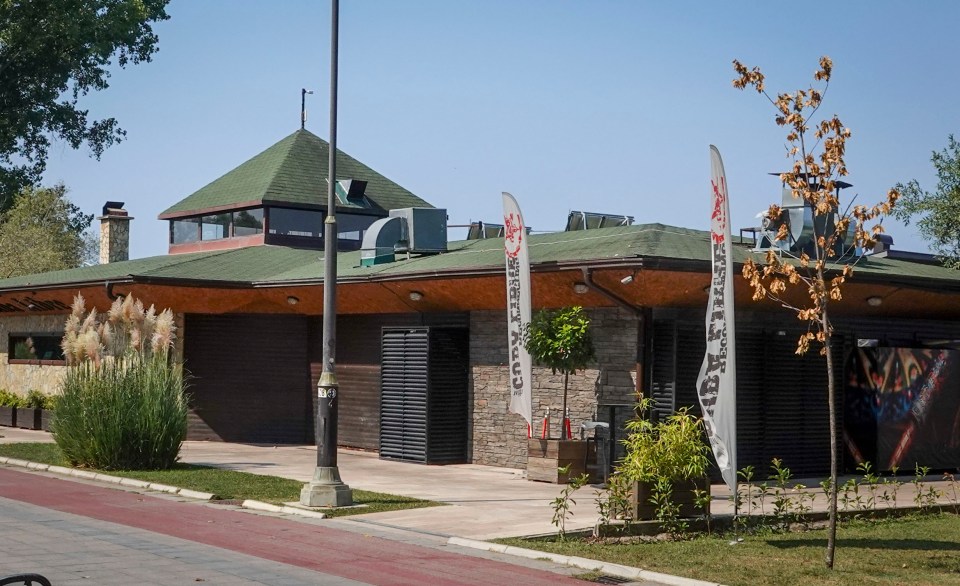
(352, 227)
(248, 222)
(288, 222)
(215, 227)
(31, 348)
(185, 230)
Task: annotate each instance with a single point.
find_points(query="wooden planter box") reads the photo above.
(46, 417)
(29, 418)
(683, 495)
(8, 416)
(546, 457)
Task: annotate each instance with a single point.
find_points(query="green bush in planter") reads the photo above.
(8, 399)
(122, 403)
(670, 451)
(38, 400)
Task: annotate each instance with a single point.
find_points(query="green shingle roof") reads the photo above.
(293, 172)
(656, 245)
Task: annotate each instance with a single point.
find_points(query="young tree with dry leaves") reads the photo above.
(816, 147)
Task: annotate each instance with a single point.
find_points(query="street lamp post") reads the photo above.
(326, 489)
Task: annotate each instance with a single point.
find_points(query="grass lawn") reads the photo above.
(226, 484)
(916, 550)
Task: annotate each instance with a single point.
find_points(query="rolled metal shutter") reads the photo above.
(404, 367)
(423, 395)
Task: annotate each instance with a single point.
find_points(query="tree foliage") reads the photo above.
(43, 231)
(560, 339)
(52, 53)
(937, 213)
(816, 148)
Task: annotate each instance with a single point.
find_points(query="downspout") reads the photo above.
(644, 318)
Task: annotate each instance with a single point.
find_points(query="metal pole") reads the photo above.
(303, 106)
(326, 488)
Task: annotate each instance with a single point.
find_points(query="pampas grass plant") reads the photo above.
(122, 404)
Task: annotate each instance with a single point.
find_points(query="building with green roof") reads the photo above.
(422, 343)
(280, 196)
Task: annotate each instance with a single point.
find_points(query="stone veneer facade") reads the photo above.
(114, 238)
(498, 437)
(21, 378)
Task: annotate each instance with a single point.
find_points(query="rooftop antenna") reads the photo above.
(303, 106)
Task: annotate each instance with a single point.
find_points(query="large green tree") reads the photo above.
(42, 231)
(52, 53)
(937, 213)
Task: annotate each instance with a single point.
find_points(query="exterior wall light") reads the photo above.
(293, 300)
(874, 301)
(580, 288)
(416, 296)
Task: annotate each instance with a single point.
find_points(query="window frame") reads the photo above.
(14, 337)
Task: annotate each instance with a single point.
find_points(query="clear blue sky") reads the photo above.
(602, 106)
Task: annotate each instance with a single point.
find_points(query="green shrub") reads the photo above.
(122, 403)
(38, 400)
(8, 399)
(672, 449)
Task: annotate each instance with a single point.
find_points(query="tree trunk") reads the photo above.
(831, 400)
(563, 414)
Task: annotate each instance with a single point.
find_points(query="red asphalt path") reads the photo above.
(331, 551)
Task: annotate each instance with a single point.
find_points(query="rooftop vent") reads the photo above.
(591, 221)
(801, 224)
(882, 243)
(352, 192)
(114, 208)
(410, 230)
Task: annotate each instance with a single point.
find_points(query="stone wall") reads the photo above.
(21, 378)
(114, 238)
(498, 437)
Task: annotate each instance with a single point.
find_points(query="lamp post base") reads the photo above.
(326, 490)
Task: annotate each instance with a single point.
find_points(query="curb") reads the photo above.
(88, 475)
(267, 507)
(583, 563)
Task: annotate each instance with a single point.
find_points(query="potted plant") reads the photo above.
(8, 408)
(35, 411)
(666, 461)
(560, 340)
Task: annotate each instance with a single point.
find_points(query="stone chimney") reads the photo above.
(114, 233)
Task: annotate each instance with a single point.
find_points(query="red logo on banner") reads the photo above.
(718, 220)
(512, 235)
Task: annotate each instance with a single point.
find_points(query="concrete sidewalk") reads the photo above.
(485, 501)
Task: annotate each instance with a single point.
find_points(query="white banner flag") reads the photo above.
(717, 383)
(518, 307)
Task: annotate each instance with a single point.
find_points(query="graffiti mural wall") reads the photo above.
(902, 408)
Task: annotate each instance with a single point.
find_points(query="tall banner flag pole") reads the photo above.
(717, 383)
(518, 307)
